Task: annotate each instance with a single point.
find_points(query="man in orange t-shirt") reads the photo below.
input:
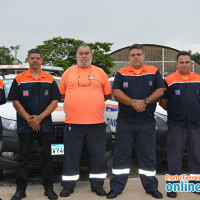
(84, 88)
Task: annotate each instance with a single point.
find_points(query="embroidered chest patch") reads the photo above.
(177, 92)
(46, 92)
(125, 84)
(150, 83)
(25, 93)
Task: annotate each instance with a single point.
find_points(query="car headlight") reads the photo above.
(9, 124)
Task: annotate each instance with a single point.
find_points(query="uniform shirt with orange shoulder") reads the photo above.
(84, 90)
(138, 84)
(34, 95)
(183, 95)
(2, 93)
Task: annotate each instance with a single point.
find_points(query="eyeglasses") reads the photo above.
(89, 78)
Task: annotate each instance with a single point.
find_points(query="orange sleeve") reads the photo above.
(1, 84)
(106, 84)
(62, 85)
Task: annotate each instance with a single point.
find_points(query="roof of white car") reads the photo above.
(15, 68)
(12, 76)
(25, 67)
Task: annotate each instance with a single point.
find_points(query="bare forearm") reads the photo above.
(163, 103)
(122, 97)
(156, 95)
(20, 110)
(50, 108)
(107, 97)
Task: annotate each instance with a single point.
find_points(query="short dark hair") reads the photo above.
(34, 51)
(183, 53)
(83, 45)
(135, 46)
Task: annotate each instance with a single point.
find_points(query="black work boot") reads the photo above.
(112, 194)
(171, 194)
(99, 191)
(66, 192)
(18, 195)
(155, 193)
(50, 194)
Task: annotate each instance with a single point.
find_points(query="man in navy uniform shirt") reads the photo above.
(35, 95)
(182, 102)
(136, 88)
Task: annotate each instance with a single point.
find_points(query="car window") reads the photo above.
(7, 85)
(57, 81)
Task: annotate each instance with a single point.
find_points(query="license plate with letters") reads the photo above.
(57, 149)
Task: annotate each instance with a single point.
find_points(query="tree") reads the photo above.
(6, 58)
(196, 56)
(62, 52)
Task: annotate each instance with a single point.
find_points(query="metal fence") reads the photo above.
(164, 58)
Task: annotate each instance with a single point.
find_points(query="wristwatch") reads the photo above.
(146, 101)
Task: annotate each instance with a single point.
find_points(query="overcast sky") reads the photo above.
(173, 23)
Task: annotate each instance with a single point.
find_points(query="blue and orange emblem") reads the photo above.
(46, 92)
(25, 93)
(125, 84)
(177, 92)
(150, 83)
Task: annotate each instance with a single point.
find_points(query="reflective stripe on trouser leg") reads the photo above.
(146, 155)
(97, 180)
(147, 176)
(73, 142)
(124, 138)
(147, 173)
(103, 175)
(120, 171)
(96, 146)
(70, 178)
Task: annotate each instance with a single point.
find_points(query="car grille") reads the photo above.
(58, 133)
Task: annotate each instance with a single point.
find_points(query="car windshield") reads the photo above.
(8, 83)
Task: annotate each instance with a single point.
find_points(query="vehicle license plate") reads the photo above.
(57, 149)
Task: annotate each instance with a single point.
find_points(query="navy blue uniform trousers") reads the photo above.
(95, 138)
(25, 143)
(177, 140)
(144, 136)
